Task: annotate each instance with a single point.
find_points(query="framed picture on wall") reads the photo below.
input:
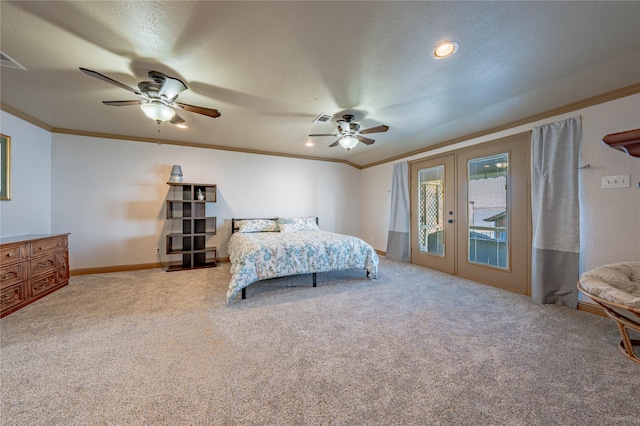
(5, 167)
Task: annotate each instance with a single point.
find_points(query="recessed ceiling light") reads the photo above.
(445, 49)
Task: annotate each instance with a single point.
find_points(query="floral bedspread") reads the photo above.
(262, 255)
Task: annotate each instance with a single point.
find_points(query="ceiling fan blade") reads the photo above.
(336, 143)
(377, 129)
(109, 80)
(324, 134)
(171, 87)
(364, 140)
(123, 103)
(178, 121)
(199, 110)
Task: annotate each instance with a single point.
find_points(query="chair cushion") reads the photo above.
(616, 282)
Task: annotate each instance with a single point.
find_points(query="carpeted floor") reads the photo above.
(415, 347)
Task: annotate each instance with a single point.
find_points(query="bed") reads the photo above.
(261, 249)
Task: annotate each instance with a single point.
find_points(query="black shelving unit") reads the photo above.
(193, 225)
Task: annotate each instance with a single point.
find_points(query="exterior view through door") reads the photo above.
(470, 213)
(488, 226)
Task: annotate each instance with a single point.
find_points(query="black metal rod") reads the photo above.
(314, 279)
(244, 292)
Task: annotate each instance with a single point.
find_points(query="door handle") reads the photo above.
(450, 221)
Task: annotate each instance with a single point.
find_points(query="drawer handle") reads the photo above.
(8, 276)
(47, 263)
(12, 254)
(42, 284)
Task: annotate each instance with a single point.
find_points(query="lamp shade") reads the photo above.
(176, 174)
(348, 142)
(157, 111)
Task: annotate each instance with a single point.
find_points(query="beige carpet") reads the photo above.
(415, 347)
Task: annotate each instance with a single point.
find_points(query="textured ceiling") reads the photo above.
(271, 67)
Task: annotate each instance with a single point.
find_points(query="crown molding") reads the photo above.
(29, 119)
(594, 100)
(194, 145)
(574, 106)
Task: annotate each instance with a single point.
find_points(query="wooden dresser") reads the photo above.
(31, 266)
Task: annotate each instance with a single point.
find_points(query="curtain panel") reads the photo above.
(555, 212)
(398, 241)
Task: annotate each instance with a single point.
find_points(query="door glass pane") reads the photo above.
(488, 231)
(431, 210)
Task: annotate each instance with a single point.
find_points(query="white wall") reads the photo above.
(610, 218)
(110, 194)
(29, 210)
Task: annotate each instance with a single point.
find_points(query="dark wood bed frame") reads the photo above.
(234, 229)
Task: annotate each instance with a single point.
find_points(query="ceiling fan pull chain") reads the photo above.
(159, 143)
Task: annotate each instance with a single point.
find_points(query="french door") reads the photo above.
(470, 213)
(432, 214)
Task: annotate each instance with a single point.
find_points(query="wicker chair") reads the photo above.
(616, 287)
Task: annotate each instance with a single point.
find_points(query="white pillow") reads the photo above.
(257, 225)
(299, 224)
(287, 228)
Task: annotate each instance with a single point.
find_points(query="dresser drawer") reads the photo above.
(49, 245)
(12, 274)
(43, 264)
(43, 283)
(13, 253)
(12, 296)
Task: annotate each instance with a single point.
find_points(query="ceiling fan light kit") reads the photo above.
(348, 142)
(155, 110)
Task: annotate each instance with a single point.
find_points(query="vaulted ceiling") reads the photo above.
(270, 68)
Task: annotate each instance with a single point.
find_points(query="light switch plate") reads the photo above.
(618, 181)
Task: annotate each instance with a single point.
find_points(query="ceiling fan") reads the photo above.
(350, 132)
(158, 97)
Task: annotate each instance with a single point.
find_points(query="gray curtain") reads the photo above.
(555, 212)
(398, 241)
